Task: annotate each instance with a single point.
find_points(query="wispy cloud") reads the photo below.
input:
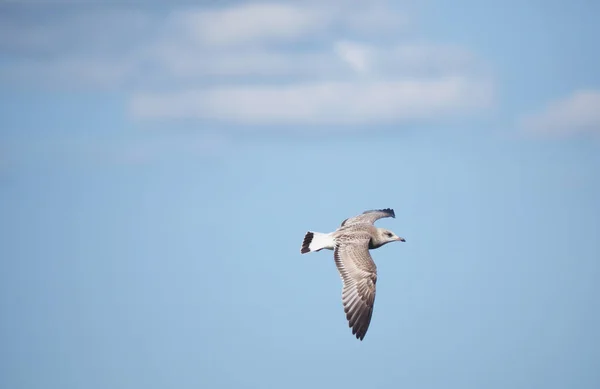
(301, 62)
(578, 113)
(321, 102)
(246, 24)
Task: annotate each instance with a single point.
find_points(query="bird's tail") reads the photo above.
(316, 241)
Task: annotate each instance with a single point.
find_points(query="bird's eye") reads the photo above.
(389, 234)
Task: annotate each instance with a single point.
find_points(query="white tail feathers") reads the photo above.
(316, 241)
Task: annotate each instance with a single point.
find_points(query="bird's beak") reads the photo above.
(401, 239)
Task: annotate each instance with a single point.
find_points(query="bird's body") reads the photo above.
(351, 243)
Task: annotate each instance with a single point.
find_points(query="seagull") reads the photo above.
(351, 243)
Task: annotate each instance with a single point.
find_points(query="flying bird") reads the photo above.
(351, 243)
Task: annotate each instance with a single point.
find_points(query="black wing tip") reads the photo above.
(306, 242)
(388, 211)
(360, 335)
(360, 326)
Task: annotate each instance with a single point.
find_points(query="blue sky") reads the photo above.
(160, 164)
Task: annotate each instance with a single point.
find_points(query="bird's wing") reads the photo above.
(369, 216)
(359, 276)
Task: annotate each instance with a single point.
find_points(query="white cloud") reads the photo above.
(356, 55)
(322, 102)
(251, 62)
(574, 114)
(247, 23)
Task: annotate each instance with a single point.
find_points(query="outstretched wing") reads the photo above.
(369, 216)
(359, 276)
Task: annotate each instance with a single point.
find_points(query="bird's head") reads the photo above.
(387, 236)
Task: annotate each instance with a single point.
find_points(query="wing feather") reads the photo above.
(370, 216)
(359, 276)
